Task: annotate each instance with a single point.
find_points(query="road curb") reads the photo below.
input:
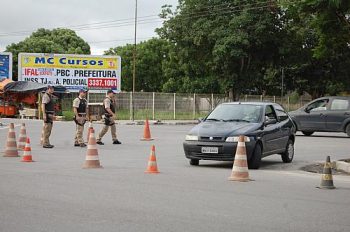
(343, 166)
(174, 123)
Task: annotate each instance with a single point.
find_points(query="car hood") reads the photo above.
(224, 129)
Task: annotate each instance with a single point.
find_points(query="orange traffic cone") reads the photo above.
(11, 145)
(92, 160)
(327, 177)
(152, 162)
(146, 132)
(27, 155)
(89, 129)
(240, 166)
(22, 137)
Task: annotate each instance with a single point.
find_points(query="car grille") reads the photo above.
(220, 156)
(211, 139)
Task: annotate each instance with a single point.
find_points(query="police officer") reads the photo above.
(80, 116)
(47, 107)
(109, 107)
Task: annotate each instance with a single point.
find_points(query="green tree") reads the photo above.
(319, 54)
(151, 56)
(229, 43)
(60, 41)
(245, 45)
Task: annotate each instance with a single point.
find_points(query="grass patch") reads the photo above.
(68, 115)
(143, 114)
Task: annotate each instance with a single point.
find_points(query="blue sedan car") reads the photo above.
(267, 127)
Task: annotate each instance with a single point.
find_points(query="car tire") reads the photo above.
(288, 155)
(347, 130)
(255, 160)
(194, 162)
(307, 133)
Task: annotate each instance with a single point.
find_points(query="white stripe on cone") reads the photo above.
(25, 153)
(241, 144)
(92, 157)
(152, 163)
(92, 147)
(239, 169)
(240, 157)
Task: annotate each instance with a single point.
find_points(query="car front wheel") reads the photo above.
(194, 162)
(288, 155)
(307, 133)
(347, 130)
(255, 160)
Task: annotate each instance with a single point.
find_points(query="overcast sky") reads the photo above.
(25, 16)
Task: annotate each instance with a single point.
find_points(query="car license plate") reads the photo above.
(212, 150)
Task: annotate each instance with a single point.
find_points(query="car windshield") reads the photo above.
(236, 113)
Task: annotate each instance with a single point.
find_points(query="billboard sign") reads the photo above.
(97, 73)
(5, 65)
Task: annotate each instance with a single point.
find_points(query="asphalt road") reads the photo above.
(56, 194)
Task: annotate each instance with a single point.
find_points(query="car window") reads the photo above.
(270, 113)
(339, 104)
(236, 112)
(317, 105)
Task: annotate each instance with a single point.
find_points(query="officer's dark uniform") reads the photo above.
(80, 104)
(109, 122)
(48, 123)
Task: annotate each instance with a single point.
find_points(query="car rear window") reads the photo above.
(339, 104)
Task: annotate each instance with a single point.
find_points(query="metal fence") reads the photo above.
(174, 106)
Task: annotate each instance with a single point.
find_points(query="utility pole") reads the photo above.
(134, 64)
(282, 85)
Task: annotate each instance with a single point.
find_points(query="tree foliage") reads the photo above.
(149, 63)
(242, 46)
(320, 31)
(232, 43)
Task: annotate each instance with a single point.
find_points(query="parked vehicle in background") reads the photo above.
(326, 114)
(268, 129)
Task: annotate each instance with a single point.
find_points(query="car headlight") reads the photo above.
(234, 139)
(191, 138)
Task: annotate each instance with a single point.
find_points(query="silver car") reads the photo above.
(326, 114)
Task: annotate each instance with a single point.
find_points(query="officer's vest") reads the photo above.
(111, 106)
(82, 106)
(49, 107)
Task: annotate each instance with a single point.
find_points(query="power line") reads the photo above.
(120, 40)
(80, 25)
(149, 18)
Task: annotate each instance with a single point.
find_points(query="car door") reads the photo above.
(272, 132)
(285, 126)
(338, 112)
(314, 116)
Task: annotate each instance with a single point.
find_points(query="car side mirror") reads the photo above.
(269, 121)
(200, 120)
(307, 110)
